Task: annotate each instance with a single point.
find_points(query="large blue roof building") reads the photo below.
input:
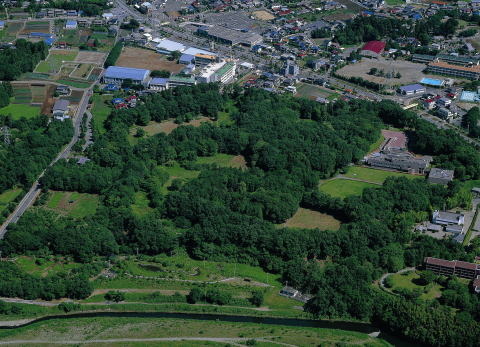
(118, 74)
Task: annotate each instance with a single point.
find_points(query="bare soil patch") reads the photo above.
(146, 59)
(49, 100)
(239, 162)
(90, 57)
(263, 15)
(308, 219)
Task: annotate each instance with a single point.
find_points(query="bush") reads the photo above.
(256, 299)
(115, 296)
(68, 306)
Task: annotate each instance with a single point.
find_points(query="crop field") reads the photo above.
(410, 72)
(38, 93)
(71, 37)
(232, 333)
(96, 72)
(55, 60)
(75, 97)
(36, 27)
(74, 83)
(308, 219)
(342, 188)
(10, 32)
(77, 205)
(146, 59)
(8, 196)
(90, 57)
(224, 160)
(374, 175)
(82, 71)
(18, 111)
(22, 94)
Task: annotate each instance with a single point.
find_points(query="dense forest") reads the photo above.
(363, 29)
(20, 58)
(230, 214)
(6, 92)
(33, 145)
(88, 7)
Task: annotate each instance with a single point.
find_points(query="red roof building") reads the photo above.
(452, 267)
(376, 47)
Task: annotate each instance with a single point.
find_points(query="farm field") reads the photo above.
(100, 110)
(20, 110)
(55, 60)
(224, 160)
(73, 204)
(90, 57)
(375, 175)
(10, 32)
(342, 188)
(407, 281)
(263, 15)
(8, 196)
(137, 328)
(74, 83)
(308, 219)
(36, 27)
(146, 59)
(82, 70)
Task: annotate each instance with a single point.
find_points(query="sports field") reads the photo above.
(374, 175)
(342, 188)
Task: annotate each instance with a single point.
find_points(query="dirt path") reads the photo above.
(236, 341)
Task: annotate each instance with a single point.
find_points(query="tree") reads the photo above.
(160, 73)
(175, 55)
(257, 298)
(195, 295)
(115, 296)
(427, 277)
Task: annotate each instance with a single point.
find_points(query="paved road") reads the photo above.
(35, 190)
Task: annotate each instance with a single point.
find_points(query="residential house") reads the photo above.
(60, 109)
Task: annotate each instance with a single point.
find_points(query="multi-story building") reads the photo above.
(452, 267)
(442, 68)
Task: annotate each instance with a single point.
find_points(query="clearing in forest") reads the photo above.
(77, 205)
(308, 219)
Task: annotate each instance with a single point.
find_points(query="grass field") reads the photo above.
(8, 196)
(101, 110)
(20, 110)
(77, 205)
(374, 175)
(308, 219)
(44, 267)
(176, 171)
(312, 92)
(55, 60)
(85, 329)
(224, 160)
(140, 207)
(406, 281)
(341, 188)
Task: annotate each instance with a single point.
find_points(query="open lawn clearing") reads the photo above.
(55, 60)
(375, 175)
(341, 188)
(311, 91)
(175, 171)
(224, 160)
(90, 57)
(101, 110)
(308, 219)
(406, 280)
(146, 59)
(77, 205)
(82, 71)
(140, 207)
(181, 266)
(20, 110)
(98, 328)
(8, 196)
(410, 72)
(153, 128)
(43, 267)
(263, 15)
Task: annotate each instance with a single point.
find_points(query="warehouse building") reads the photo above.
(118, 74)
(412, 89)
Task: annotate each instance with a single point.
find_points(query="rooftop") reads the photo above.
(61, 105)
(440, 262)
(171, 46)
(374, 46)
(442, 64)
(411, 87)
(159, 81)
(126, 73)
(437, 172)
